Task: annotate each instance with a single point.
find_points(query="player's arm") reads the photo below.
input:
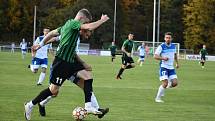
(123, 50)
(50, 35)
(176, 60)
(157, 54)
(53, 39)
(94, 25)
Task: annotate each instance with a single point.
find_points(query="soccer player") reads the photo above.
(203, 53)
(23, 46)
(66, 62)
(166, 53)
(40, 58)
(12, 47)
(127, 61)
(141, 50)
(76, 80)
(113, 51)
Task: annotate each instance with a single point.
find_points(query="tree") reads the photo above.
(199, 24)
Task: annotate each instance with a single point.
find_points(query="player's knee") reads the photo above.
(174, 84)
(54, 89)
(165, 84)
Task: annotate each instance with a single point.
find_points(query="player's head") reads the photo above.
(130, 36)
(23, 40)
(113, 43)
(204, 46)
(46, 31)
(85, 33)
(143, 44)
(84, 16)
(168, 37)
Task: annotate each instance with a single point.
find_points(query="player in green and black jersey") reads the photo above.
(203, 53)
(127, 60)
(66, 62)
(113, 51)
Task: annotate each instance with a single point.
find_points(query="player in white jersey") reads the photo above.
(76, 80)
(23, 46)
(166, 53)
(141, 50)
(40, 58)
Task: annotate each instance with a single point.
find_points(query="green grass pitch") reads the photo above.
(129, 99)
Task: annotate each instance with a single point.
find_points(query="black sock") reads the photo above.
(120, 71)
(203, 63)
(43, 95)
(128, 67)
(111, 59)
(88, 89)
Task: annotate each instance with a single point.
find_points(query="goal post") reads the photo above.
(149, 46)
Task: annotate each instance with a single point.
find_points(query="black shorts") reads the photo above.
(113, 54)
(203, 58)
(62, 70)
(126, 59)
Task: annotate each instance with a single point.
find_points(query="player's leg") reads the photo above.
(94, 103)
(34, 66)
(88, 89)
(123, 66)
(173, 78)
(130, 63)
(53, 89)
(60, 72)
(113, 57)
(44, 64)
(162, 87)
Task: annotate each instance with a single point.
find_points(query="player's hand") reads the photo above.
(177, 65)
(104, 18)
(35, 47)
(129, 54)
(165, 58)
(87, 67)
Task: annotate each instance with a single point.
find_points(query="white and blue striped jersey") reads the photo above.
(23, 45)
(141, 50)
(43, 51)
(168, 51)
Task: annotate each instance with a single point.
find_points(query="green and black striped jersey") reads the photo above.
(128, 45)
(69, 35)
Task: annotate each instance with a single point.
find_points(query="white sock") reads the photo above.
(44, 102)
(160, 92)
(169, 84)
(31, 105)
(32, 69)
(141, 63)
(94, 101)
(88, 105)
(41, 78)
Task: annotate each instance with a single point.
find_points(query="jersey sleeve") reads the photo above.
(125, 43)
(139, 48)
(158, 50)
(59, 29)
(37, 41)
(75, 24)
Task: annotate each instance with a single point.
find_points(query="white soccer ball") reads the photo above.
(79, 113)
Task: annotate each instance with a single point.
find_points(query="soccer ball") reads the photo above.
(79, 113)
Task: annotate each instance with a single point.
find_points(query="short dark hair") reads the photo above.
(168, 33)
(86, 13)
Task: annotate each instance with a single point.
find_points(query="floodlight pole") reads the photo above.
(158, 24)
(35, 17)
(114, 23)
(154, 20)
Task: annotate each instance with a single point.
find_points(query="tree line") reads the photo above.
(191, 21)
